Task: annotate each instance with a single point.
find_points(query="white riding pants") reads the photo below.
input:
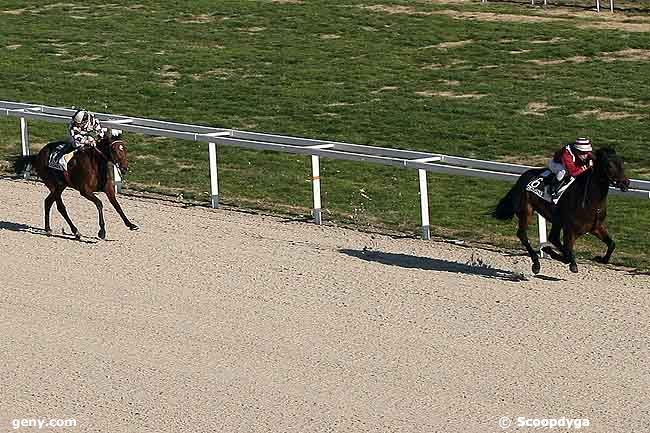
(558, 169)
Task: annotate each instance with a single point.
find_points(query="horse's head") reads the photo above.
(116, 148)
(612, 167)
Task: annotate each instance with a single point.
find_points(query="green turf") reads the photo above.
(508, 90)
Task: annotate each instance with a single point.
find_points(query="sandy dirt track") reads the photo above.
(225, 321)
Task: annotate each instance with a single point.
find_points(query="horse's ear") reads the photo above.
(605, 152)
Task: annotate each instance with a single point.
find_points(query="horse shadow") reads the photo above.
(23, 228)
(439, 265)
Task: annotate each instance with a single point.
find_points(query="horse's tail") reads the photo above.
(510, 204)
(22, 164)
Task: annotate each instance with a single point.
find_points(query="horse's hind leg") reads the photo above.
(64, 213)
(601, 233)
(525, 217)
(49, 201)
(100, 210)
(554, 239)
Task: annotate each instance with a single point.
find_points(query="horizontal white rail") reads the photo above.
(410, 159)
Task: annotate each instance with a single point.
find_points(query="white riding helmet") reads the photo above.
(79, 116)
(583, 144)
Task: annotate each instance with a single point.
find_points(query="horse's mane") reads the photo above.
(605, 153)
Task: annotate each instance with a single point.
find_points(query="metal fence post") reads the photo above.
(598, 5)
(214, 179)
(24, 140)
(424, 204)
(541, 227)
(611, 6)
(117, 176)
(315, 182)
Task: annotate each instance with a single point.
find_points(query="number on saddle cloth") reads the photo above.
(541, 187)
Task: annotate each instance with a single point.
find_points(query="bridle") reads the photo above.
(616, 183)
(110, 157)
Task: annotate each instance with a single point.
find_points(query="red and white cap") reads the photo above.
(583, 144)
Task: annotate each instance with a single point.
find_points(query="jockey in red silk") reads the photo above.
(570, 161)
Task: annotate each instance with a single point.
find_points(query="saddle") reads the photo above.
(541, 187)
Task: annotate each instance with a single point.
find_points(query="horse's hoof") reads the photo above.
(134, 227)
(49, 232)
(102, 234)
(77, 236)
(573, 268)
(536, 268)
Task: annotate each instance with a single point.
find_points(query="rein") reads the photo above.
(587, 188)
(109, 148)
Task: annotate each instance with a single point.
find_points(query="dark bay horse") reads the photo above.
(582, 209)
(89, 171)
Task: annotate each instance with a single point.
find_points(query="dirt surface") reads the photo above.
(225, 321)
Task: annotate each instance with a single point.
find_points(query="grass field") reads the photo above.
(500, 81)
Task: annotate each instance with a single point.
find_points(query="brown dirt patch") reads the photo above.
(608, 115)
(13, 11)
(13, 47)
(394, 10)
(197, 19)
(330, 36)
(538, 108)
(451, 95)
(532, 160)
(447, 45)
(453, 63)
(574, 59)
(284, 2)
(385, 89)
(86, 74)
(169, 76)
(252, 29)
(630, 54)
(554, 40)
(621, 101)
(219, 73)
(496, 17)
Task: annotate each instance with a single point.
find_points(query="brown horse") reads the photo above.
(89, 172)
(582, 209)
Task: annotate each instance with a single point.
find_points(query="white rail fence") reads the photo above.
(423, 162)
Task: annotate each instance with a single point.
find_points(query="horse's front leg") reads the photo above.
(100, 210)
(110, 193)
(569, 244)
(601, 233)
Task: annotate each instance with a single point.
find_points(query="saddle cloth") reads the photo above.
(61, 163)
(542, 188)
